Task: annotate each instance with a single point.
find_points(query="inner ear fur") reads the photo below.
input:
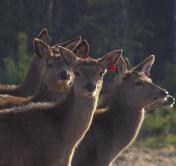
(145, 66)
(68, 56)
(41, 48)
(82, 50)
(111, 58)
(43, 35)
(122, 67)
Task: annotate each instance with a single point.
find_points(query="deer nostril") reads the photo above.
(163, 93)
(90, 87)
(64, 75)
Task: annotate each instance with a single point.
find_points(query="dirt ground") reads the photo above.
(147, 157)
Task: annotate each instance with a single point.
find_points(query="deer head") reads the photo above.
(88, 72)
(56, 74)
(138, 89)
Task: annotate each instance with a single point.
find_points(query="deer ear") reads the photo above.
(68, 56)
(71, 44)
(145, 66)
(122, 67)
(128, 64)
(43, 35)
(82, 50)
(111, 58)
(41, 49)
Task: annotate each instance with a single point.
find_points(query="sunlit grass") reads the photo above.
(159, 129)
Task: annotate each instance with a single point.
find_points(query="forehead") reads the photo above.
(141, 76)
(55, 57)
(88, 65)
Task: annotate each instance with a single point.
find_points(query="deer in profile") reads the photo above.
(55, 77)
(166, 102)
(47, 133)
(115, 129)
(31, 82)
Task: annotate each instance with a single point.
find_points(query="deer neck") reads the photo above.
(121, 123)
(81, 114)
(78, 121)
(44, 94)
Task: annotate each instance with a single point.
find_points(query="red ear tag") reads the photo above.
(112, 68)
(86, 56)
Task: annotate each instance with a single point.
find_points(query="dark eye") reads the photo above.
(77, 74)
(138, 83)
(50, 65)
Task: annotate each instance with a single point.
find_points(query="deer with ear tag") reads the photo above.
(47, 133)
(166, 102)
(115, 129)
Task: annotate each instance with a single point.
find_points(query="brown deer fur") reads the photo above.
(47, 134)
(115, 129)
(44, 92)
(31, 82)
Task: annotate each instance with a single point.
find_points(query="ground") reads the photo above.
(136, 156)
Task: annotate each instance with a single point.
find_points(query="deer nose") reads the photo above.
(171, 99)
(90, 87)
(163, 93)
(64, 75)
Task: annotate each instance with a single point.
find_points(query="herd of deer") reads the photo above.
(52, 118)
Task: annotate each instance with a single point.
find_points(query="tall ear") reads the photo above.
(68, 56)
(71, 44)
(110, 59)
(82, 50)
(122, 67)
(145, 66)
(128, 64)
(43, 35)
(41, 49)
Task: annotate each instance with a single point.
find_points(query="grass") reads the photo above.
(159, 129)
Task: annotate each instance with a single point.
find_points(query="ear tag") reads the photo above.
(113, 68)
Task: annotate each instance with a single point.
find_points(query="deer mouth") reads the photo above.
(64, 85)
(169, 101)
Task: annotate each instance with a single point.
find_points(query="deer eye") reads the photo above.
(50, 65)
(138, 83)
(77, 74)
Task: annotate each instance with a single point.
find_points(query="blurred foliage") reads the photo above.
(159, 130)
(16, 69)
(169, 81)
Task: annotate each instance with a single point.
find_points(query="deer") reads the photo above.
(115, 129)
(31, 83)
(47, 133)
(55, 81)
(166, 102)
